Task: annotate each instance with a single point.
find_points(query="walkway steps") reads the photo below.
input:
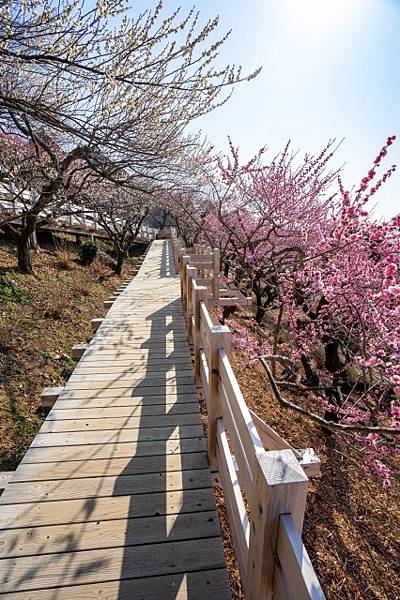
(114, 497)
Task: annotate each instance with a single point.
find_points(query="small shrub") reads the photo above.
(10, 291)
(88, 252)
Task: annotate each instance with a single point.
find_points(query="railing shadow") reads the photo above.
(181, 472)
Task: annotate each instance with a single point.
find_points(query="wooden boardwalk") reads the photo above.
(113, 500)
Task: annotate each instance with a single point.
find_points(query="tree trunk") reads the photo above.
(120, 262)
(33, 241)
(23, 244)
(312, 379)
(227, 313)
(277, 331)
(334, 363)
(24, 256)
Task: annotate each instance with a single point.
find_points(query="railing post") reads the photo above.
(199, 294)
(280, 487)
(181, 253)
(191, 274)
(216, 270)
(220, 337)
(175, 250)
(184, 262)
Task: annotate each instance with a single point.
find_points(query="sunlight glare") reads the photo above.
(317, 14)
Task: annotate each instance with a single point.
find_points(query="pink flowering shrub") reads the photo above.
(329, 277)
(245, 340)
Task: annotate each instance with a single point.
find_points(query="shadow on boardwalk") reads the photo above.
(114, 497)
(183, 524)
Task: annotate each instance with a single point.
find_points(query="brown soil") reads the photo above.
(36, 337)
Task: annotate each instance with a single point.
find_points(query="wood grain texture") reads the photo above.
(114, 533)
(189, 586)
(111, 466)
(298, 573)
(129, 402)
(139, 422)
(91, 566)
(113, 450)
(115, 507)
(122, 411)
(116, 435)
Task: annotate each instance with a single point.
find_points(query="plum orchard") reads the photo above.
(91, 91)
(325, 278)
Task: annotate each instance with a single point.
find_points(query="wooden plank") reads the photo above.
(158, 327)
(299, 576)
(129, 311)
(135, 465)
(143, 422)
(5, 478)
(128, 366)
(91, 566)
(96, 323)
(269, 437)
(134, 306)
(245, 472)
(134, 355)
(113, 450)
(163, 382)
(140, 342)
(127, 401)
(49, 395)
(78, 350)
(112, 436)
(154, 348)
(131, 338)
(138, 391)
(124, 411)
(240, 416)
(168, 376)
(34, 541)
(238, 519)
(95, 487)
(114, 507)
(188, 586)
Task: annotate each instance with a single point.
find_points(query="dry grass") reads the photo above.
(64, 254)
(36, 336)
(82, 284)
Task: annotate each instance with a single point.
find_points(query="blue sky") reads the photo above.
(331, 68)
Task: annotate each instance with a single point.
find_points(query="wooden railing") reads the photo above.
(264, 479)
